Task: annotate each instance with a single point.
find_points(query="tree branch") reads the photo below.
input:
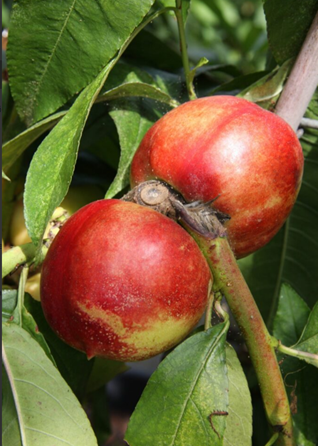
(302, 82)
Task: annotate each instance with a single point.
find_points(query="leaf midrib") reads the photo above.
(14, 393)
(39, 83)
(210, 351)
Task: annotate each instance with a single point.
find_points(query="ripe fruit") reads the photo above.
(229, 148)
(123, 281)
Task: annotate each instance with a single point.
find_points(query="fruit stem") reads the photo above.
(183, 49)
(22, 282)
(17, 256)
(302, 81)
(229, 280)
(208, 313)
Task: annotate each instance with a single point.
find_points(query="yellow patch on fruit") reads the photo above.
(145, 341)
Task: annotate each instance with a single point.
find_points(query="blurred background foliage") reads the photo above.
(229, 32)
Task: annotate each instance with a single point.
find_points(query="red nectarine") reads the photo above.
(123, 281)
(230, 148)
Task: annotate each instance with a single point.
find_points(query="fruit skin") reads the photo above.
(228, 147)
(123, 281)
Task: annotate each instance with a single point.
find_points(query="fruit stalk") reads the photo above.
(17, 256)
(229, 280)
(302, 82)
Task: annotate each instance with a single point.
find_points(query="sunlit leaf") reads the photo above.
(52, 166)
(46, 408)
(48, 65)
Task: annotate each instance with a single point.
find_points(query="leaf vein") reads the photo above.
(49, 394)
(53, 52)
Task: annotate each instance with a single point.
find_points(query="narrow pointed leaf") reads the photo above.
(132, 118)
(266, 91)
(178, 405)
(139, 90)
(47, 411)
(9, 302)
(308, 341)
(47, 66)
(52, 166)
(291, 316)
(14, 148)
(126, 81)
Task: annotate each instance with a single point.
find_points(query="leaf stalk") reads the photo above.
(184, 53)
(299, 354)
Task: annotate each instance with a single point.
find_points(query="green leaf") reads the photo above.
(292, 255)
(132, 118)
(238, 430)
(14, 148)
(29, 325)
(124, 81)
(266, 91)
(177, 405)
(308, 341)
(9, 302)
(127, 81)
(46, 68)
(287, 25)
(291, 316)
(300, 380)
(46, 408)
(203, 61)
(185, 6)
(301, 385)
(138, 89)
(52, 166)
(10, 423)
(72, 364)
